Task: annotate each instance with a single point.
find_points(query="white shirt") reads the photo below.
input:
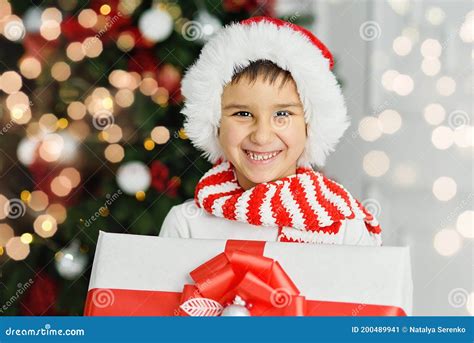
(189, 221)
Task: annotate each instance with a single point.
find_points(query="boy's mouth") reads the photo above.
(261, 157)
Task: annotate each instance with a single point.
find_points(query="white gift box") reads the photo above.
(145, 275)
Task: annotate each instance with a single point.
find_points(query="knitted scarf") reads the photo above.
(306, 207)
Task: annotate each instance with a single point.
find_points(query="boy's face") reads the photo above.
(262, 129)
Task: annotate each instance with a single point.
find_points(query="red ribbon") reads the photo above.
(260, 281)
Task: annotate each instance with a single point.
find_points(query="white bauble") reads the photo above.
(71, 262)
(155, 24)
(32, 19)
(69, 151)
(26, 150)
(133, 177)
(235, 311)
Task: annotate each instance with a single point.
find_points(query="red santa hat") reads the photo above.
(290, 47)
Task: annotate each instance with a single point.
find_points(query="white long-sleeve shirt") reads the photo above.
(189, 221)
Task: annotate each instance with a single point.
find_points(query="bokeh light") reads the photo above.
(444, 188)
(447, 242)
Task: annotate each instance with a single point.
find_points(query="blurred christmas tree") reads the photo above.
(91, 135)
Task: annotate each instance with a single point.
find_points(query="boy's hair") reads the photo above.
(269, 70)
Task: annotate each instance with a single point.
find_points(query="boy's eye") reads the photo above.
(282, 113)
(243, 114)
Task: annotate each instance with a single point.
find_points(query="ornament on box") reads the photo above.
(155, 24)
(236, 309)
(70, 261)
(133, 177)
(205, 307)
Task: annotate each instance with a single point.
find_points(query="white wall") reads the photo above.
(409, 212)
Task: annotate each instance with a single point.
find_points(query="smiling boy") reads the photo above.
(264, 106)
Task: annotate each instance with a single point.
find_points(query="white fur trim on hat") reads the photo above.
(235, 46)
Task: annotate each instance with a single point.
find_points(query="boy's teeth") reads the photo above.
(261, 157)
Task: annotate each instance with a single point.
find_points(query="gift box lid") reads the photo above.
(343, 273)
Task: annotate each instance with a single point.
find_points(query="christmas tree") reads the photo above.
(91, 133)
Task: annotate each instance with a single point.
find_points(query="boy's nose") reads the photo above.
(262, 132)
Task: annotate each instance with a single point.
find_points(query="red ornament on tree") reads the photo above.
(169, 77)
(143, 61)
(257, 7)
(35, 45)
(41, 296)
(160, 179)
(74, 31)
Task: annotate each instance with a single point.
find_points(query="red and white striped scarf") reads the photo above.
(306, 207)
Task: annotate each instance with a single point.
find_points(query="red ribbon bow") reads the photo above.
(260, 281)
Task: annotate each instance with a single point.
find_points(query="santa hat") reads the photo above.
(290, 47)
